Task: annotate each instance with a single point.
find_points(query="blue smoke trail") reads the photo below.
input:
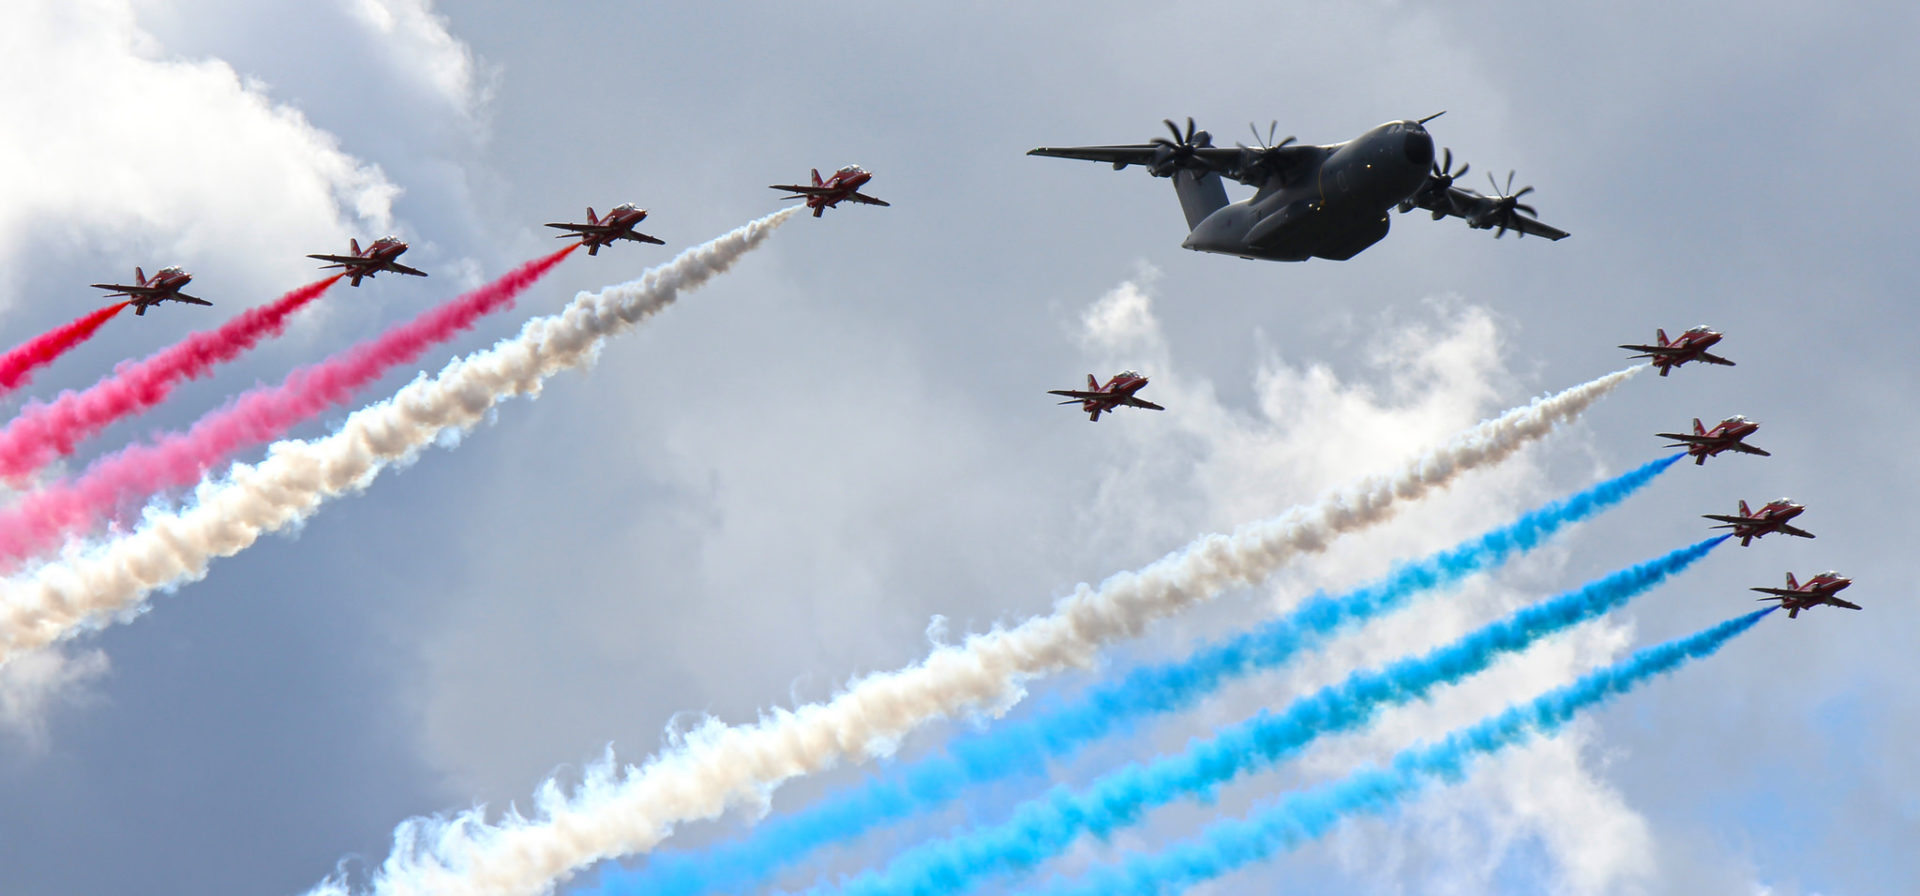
(1045, 826)
(1025, 747)
(1303, 816)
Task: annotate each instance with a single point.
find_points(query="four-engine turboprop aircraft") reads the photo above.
(1813, 592)
(1098, 399)
(1312, 201)
(843, 185)
(1724, 436)
(617, 225)
(371, 260)
(1691, 346)
(1749, 524)
(143, 293)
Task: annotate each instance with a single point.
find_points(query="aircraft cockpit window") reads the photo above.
(1699, 329)
(626, 207)
(172, 271)
(389, 238)
(1130, 374)
(1783, 500)
(850, 169)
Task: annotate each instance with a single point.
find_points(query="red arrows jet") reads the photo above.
(1098, 399)
(844, 184)
(371, 260)
(1813, 592)
(1691, 346)
(617, 225)
(144, 293)
(1724, 436)
(1771, 518)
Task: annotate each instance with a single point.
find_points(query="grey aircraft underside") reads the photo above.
(1312, 201)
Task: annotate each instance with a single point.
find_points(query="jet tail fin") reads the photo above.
(592, 218)
(1093, 385)
(1791, 584)
(1743, 508)
(354, 244)
(816, 178)
(1698, 430)
(1200, 195)
(1660, 335)
(139, 276)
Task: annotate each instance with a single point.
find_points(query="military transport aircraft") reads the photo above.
(1750, 525)
(1691, 346)
(371, 260)
(1813, 592)
(1724, 436)
(1098, 399)
(617, 225)
(1312, 201)
(144, 293)
(825, 194)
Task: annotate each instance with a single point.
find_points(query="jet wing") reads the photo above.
(1842, 603)
(1686, 438)
(340, 259)
(1081, 396)
(862, 197)
(577, 228)
(183, 297)
(1463, 203)
(1713, 359)
(1651, 351)
(1778, 592)
(1745, 448)
(802, 189)
(121, 289)
(638, 237)
(1729, 520)
(1130, 401)
(1794, 530)
(399, 268)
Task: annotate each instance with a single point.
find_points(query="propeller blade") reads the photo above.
(1189, 129)
(1435, 115)
(1172, 127)
(1523, 191)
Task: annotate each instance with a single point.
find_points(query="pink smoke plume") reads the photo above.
(43, 431)
(17, 366)
(42, 519)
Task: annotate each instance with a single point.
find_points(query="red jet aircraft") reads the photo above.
(1771, 518)
(823, 195)
(1691, 346)
(617, 225)
(371, 260)
(1724, 436)
(144, 293)
(1813, 592)
(1099, 399)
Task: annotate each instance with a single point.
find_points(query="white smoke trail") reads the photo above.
(228, 515)
(620, 810)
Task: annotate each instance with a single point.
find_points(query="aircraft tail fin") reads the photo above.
(1200, 195)
(591, 217)
(1660, 337)
(1093, 385)
(1792, 585)
(816, 178)
(139, 276)
(354, 244)
(1743, 508)
(1698, 430)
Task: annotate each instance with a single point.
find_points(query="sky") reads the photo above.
(842, 448)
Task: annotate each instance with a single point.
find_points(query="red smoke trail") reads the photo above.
(43, 431)
(17, 366)
(40, 520)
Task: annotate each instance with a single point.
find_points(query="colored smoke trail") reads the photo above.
(619, 810)
(43, 431)
(17, 366)
(1045, 826)
(41, 519)
(1012, 748)
(1303, 816)
(228, 515)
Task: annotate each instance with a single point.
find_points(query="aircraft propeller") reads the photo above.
(1262, 155)
(1177, 154)
(1504, 204)
(1438, 183)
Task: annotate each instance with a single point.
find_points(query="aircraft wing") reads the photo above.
(399, 268)
(1842, 603)
(1795, 530)
(340, 259)
(183, 297)
(1081, 396)
(1745, 448)
(1220, 158)
(1651, 351)
(1729, 520)
(121, 289)
(577, 228)
(1684, 437)
(1778, 592)
(1713, 359)
(1463, 203)
(639, 237)
(802, 189)
(862, 197)
(1130, 401)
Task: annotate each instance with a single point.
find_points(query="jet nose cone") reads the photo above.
(1418, 146)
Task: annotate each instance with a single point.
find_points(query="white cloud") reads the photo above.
(32, 686)
(162, 160)
(421, 44)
